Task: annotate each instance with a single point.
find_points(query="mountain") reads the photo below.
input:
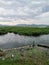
(32, 25)
(29, 25)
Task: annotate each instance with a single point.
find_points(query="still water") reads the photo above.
(12, 40)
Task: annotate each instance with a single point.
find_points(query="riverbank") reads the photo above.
(26, 56)
(28, 31)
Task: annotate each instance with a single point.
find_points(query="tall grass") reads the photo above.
(29, 31)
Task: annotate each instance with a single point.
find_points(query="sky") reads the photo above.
(13, 12)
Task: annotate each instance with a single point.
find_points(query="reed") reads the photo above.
(29, 31)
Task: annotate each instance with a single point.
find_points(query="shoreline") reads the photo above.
(27, 47)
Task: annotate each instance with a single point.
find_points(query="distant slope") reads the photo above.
(32, 25)
(29, 25)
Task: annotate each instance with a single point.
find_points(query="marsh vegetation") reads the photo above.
(29, 31)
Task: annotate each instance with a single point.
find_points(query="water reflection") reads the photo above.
(12, 40)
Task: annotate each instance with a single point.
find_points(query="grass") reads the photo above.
(29, 56)
(29, 31)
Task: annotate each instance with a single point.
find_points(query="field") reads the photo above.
(26, 56)
(29, 31)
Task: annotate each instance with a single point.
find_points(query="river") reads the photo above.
(12, 40)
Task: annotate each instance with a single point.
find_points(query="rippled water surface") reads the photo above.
(12, 40)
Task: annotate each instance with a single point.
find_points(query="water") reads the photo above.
(12, 40)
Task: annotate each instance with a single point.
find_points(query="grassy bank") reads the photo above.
(29, 31)
(26, 56)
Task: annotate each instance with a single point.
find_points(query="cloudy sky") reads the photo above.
(14, 12)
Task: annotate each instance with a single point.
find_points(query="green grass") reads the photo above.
(29, 31)
(31, 56)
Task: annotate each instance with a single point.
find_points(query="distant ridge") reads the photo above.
(32, 25)
(28, 25)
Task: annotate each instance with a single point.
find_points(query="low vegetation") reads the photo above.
(26, 56)
(29, 31)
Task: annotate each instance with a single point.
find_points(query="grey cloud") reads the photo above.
(24, 9)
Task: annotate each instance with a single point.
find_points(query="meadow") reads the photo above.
(29, 31)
